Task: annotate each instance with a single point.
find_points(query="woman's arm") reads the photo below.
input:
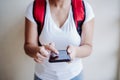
(85, 48)
(39, 53)
(30, 44)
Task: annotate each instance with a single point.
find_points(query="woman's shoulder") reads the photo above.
(87, 4)
(30, 5)
(89, 11)
(28, 12)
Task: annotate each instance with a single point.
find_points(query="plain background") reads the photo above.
(103, 64)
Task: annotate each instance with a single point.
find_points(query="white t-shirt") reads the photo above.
(62, 37)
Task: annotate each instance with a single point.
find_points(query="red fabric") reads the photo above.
(78, 11)
(39, 11)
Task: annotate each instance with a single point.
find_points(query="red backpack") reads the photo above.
(39, 10)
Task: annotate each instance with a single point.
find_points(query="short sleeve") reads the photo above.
(29, 13)
(89, 12)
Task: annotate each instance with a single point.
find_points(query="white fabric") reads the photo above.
(89, 12)
(62, 37)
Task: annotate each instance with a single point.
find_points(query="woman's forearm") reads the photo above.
(30, 49)
(83, 51)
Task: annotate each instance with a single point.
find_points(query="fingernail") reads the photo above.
(56, 52)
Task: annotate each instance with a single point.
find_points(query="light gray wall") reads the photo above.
(101, 65)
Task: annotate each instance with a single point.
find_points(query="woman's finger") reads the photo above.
(69, 50)
(51, 48)
(44, 52)
(52, 44)
(38, 60)
(40, 56)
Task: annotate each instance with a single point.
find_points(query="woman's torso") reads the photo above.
(62, 37)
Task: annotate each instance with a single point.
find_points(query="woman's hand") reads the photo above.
(71, 51)
(31, 43)
(43, 52)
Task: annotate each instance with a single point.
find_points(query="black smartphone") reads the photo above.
(61, 57)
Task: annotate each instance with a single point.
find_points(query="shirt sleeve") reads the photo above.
(29, 13)
(89, 12)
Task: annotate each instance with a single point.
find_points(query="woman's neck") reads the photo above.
(60, 3)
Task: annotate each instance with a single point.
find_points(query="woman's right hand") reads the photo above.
(31, 43)
(43, 52)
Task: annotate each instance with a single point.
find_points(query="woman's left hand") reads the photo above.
(71, 51)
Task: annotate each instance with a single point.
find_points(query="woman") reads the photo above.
(57, 34)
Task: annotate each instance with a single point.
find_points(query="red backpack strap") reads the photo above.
(79, 14)
(39, 9)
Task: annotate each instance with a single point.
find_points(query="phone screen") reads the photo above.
(61, 57)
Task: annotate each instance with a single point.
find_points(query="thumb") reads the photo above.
(69, 49)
